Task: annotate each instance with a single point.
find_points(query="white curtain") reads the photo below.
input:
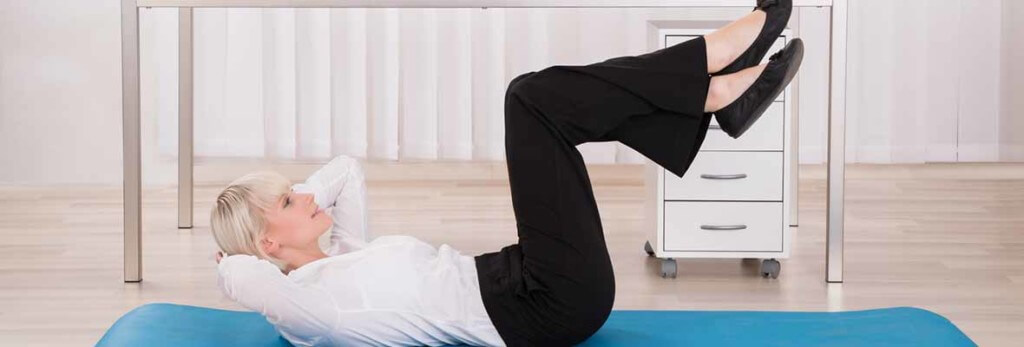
(924, 81)
(418, 84)
(428, 84)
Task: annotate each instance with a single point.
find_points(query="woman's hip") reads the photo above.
(536, 307)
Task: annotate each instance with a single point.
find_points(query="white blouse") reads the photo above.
(394, 290)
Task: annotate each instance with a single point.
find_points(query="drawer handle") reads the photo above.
(723, 177)
(714, 127)
(723, 227)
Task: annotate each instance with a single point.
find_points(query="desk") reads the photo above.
(130, 100)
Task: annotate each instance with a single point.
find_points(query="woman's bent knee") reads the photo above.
(515, 86)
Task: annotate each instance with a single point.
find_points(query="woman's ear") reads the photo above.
(269, 246)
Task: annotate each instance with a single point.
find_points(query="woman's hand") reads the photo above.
(220, 256)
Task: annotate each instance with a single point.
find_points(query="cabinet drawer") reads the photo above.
(767, 133)
(729, 176)
(723, 226)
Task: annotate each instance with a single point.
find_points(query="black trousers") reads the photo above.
(556, 286)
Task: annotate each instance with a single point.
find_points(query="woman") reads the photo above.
(555, 286)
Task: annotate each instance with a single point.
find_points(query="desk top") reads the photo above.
(463, 3)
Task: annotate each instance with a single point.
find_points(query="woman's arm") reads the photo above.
(341, 184)
(304, 312)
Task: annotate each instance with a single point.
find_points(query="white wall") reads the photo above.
(60, 82)
(921, 89)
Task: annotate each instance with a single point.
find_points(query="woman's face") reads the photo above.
(296, 220)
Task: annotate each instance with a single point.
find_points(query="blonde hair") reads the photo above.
(238, 220)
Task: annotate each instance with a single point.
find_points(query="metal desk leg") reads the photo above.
(836, 143)
(130, 129)
(185, 117)
(793, 103)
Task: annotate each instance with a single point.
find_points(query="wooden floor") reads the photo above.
(945, 237)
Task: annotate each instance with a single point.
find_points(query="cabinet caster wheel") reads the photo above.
(770, 268)
(668, 268)
(648, 249)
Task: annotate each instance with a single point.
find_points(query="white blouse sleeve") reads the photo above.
(299, 312)
(341, 184)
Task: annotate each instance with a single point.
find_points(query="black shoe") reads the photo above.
(776, 16)
(738, 116)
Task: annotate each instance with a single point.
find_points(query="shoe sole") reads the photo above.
(791, 71)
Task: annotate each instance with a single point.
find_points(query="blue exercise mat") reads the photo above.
(178, 325)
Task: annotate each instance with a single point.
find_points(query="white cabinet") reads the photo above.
(723, 226)
(734, 200)
(765, 135)
(733, 176)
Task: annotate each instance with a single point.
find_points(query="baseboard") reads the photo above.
(1011, 153)
(977, 153)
